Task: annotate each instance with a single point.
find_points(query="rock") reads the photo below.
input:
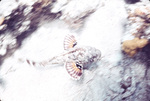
(74, 15)
(132, 1)
(21, 23)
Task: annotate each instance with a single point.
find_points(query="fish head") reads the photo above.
(92, 56)
(85, 56)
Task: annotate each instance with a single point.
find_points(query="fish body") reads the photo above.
(75, 58)
(85, 56)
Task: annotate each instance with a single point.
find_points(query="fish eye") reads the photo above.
(78, 66)
(74, 44)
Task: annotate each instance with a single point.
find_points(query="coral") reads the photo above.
(138, 26)
(139, 20)
(131, 46)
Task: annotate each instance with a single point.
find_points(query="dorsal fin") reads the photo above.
(69, 42)
(74, 70)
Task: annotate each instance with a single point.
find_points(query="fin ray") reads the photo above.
(69, 42)
(73, 70)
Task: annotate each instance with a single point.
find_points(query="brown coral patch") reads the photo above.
(131, 47)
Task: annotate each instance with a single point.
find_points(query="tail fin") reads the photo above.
(56, 60)
(33, 63)
(52, 61)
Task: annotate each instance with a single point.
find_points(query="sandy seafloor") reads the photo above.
(103, 29)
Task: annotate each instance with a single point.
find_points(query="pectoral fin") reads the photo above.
(74, 70)
(69, 42)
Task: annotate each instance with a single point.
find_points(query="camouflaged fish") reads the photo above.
(75, 58)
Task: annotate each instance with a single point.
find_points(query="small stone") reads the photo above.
(1, 20)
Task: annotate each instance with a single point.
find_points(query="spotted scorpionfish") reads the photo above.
(75, 58)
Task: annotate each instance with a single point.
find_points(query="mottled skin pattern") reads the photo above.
(76, 59)
(84, 56)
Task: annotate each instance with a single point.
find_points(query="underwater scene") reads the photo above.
(74, 50)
